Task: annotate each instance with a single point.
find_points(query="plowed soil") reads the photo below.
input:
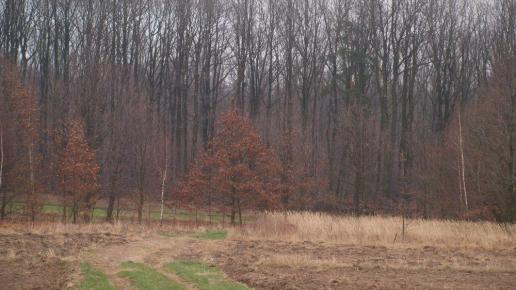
(357, 267)
(31, 261)
(346, 266)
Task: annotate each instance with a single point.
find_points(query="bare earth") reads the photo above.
(30, 261)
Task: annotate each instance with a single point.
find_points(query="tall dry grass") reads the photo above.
(380, 231)
(119, 227)
(317, 227)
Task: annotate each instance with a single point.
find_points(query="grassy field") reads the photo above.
(277, 251)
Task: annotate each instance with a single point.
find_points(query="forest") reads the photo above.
(364, 107)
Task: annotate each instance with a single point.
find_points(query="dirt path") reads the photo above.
(153, 251)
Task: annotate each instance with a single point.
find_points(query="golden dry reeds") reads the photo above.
(379, 231)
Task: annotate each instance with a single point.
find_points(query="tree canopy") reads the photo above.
(237, 170)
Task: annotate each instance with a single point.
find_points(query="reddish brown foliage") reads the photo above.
(237, 170)
(78, 171)
(19, 132)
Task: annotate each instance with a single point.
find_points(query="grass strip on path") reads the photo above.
(206, 235)
(211, 235)
(203, 276)
(169, 234)
(94, 279)
(146, 278)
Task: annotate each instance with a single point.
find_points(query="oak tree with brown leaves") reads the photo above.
(19, 160)
(77, 170)
(237, 170)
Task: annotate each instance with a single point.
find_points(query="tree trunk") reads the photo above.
(4, 195)
(163, 179)
(162, 195)
(239, 212)
(1, 156)
(118, 208)
(463, 176)
(112, 196)
(141, 200)
(223, 216)
(209, 207)
(4, 205)
(75, 211)
(233, 210)
(357, 192)
(196, 217)
(64, 201)
(32, 199)
(110, 207)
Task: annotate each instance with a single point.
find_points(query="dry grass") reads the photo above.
(122, 228)
(49, 228)
(317, 227)
(11, 254)
(380, 231)
(49, 253)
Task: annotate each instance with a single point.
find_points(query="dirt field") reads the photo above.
(51, 261)
(35, 261)
(280, 265)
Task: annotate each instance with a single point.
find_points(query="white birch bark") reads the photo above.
(463, 167)
(164, 177)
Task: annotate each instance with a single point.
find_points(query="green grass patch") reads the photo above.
(207, 235)
(94, 279)
(169, 234)
(145, 278)
(203, 276)
(211, 235)
(58, 210)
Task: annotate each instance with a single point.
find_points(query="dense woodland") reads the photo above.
(355, 106)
